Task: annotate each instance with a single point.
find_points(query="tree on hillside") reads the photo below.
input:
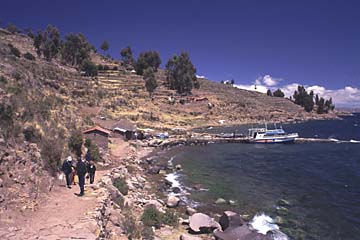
(304, 99)
(329, 104)
(269, 93)
(317, 99)
(29, 32)
(12, 28)
(324, 106)
(51, 42)
(75, 142)
(75, 49)
(278, 93)
(146, 60)
(127, 56)
(104, 46)
(89, 68)
(48, 43)
(37, 42)
(232, 82)
(150, 81)
(181, 74)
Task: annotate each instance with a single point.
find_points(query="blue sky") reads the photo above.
(315, 43)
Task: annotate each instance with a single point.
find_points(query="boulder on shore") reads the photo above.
(202, 223)
(230, 219)
(172, 201)
(190, 211)
(220, 201)
(239, 233)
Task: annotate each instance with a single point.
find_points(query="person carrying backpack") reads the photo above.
(67, 168)
(91, 171)
(81, 172)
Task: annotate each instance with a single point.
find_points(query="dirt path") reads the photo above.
(62, 216)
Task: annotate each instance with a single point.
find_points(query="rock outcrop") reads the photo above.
(202, 223)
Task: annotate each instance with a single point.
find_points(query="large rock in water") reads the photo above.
(230, 219)
(172, 201)
(239, 233)
(202, 223)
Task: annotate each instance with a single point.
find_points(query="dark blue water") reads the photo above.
(320, 180)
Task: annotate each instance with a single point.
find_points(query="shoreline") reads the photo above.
(259, 222)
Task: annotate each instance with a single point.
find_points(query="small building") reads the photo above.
(124, 128)
(98, 135)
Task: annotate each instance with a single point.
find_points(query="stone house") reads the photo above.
(98, 135)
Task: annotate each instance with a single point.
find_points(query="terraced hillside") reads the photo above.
(121, 94)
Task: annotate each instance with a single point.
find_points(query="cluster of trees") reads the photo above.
(181, 74)
(73, 50)
(303, 98)
(277, 93)
(149, 59)
(127, 57)
(306, 100)
(323, 106)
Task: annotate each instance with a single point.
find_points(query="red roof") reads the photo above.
(98, 129)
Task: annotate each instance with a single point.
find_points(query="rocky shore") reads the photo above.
(121, 215)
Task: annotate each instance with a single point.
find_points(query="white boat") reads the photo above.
(276, 135)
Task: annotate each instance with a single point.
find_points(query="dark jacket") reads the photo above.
(91, 168)
(81, 168)
(88, 156)
(67, 167)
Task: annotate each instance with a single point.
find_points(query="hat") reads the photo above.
(69, 159)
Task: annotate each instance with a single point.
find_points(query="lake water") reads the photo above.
(321, 181)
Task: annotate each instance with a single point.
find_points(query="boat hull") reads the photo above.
(273, 140)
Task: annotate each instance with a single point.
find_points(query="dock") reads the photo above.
(209, 139)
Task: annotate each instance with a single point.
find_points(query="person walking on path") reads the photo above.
(67, 168)
(81, 172)
(91, 171)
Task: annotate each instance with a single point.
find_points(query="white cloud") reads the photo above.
(344, 97)
(261, 84)
(200, 76)
(252, 87)
(270, 81)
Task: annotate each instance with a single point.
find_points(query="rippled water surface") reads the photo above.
(321, 181)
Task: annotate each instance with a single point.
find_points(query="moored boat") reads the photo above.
(276, 135)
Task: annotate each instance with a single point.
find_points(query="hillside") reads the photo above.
(42, 102)
(118, 94)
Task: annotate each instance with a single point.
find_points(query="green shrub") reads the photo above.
(170, 218)
(75, 142)
(121, 185)
(106, 68)
(151, 217)
(89, 68)
(115, 68)
(14, 51)
(100, 67)
(7, 114)
(147, 233)
(130, 227)
(31, 134)
(3, 80)
(16, 75)
(120, 201)
(51, 151)
(29, 56)
(94, 150)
